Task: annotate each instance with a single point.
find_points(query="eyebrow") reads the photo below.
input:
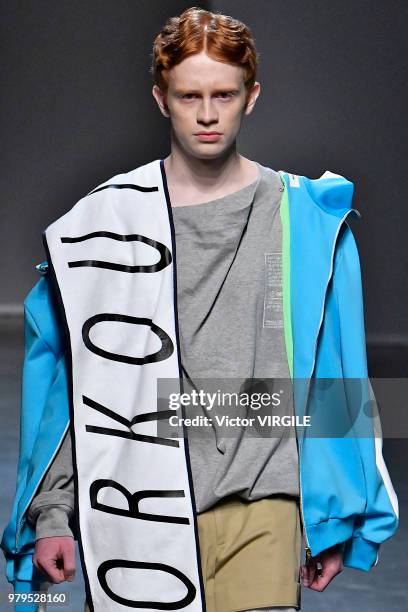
(196, 91)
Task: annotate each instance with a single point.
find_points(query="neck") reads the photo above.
(206, 175)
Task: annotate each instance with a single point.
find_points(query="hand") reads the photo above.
(331, 561)
(55, 556)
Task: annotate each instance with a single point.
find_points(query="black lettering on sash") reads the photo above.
(140, 418)
(165, 352)
(141, 188)
(164, 252)
(133, 502)
(157, 605)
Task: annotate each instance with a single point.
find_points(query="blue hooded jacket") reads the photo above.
(346, 493)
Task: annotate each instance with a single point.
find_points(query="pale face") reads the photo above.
(205, 95)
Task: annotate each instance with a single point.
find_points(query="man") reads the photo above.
(232, 539)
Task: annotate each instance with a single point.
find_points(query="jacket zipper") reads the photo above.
(307, 548)
(20, 523)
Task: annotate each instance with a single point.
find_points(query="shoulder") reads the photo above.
(142, 174)
(144, 178)
(331, 193)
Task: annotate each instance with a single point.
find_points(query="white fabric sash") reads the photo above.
(112, 257)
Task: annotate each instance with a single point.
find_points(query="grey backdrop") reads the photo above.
(76, 108)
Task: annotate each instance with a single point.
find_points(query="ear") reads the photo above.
(160, 98)
(252, 98)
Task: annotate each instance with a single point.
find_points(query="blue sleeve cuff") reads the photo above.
(360, 554)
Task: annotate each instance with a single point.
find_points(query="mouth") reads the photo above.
(208, 136)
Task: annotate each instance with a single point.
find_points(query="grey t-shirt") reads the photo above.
(230, 309)
(229, 298)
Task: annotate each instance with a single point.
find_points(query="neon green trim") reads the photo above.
(287, 323)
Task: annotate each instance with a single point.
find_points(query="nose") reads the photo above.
(207, 112)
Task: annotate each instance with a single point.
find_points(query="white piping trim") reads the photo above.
(385, 475)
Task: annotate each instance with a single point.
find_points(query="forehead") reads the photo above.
(201, 71)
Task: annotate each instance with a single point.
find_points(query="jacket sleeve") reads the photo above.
(380, 519)
(44, 417)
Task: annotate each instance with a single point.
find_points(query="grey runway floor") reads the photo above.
(384, 588)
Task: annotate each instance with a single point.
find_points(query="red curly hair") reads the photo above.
(222, 37)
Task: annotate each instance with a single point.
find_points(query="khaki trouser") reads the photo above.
(250, 554)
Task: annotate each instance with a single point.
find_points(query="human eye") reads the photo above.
(225, 95)
(188, 96)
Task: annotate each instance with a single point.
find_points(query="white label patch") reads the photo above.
(273, 307)
(294, 180)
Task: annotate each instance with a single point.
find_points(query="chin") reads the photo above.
(209, 152)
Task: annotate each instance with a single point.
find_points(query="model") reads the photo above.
(204, 264)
